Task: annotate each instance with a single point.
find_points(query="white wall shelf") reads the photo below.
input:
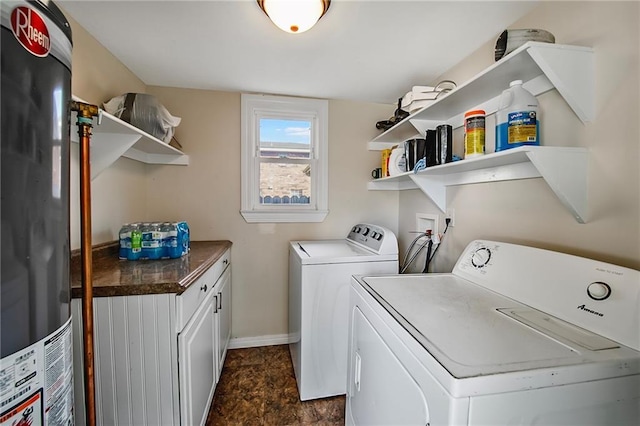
(541, 66)
(113, 138)
(564, 170)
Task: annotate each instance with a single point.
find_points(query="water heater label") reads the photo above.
(31, 31)
(36, 383)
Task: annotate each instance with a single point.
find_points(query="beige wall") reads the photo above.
(207, 192)
(97, 74)
(118, 194)
(207, 195)
(526, 211)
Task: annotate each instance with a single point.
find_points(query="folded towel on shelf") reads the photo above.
(422, 96)
(418, 93)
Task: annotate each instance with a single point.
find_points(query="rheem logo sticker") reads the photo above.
(31, 31)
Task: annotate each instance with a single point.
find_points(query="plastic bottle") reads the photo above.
(474, 131)
(151, 241)
(165, 230)
(174, 250)
(125, 241)
(136, 243)
(145, 235)
(517, 119)
(157, 238)
(184, 239)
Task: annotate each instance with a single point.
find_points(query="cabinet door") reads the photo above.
(196, 363)
(223, 292)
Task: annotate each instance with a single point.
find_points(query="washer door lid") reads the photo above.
(332, 251)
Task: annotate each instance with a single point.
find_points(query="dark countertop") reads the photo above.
(114, 277)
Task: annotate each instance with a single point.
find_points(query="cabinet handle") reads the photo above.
(215, 305)
(204, 288)
(357, 372)
(226, 261)
(220, 300)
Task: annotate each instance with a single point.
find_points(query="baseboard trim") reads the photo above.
(252, 342)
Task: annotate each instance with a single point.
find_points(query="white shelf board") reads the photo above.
(541, 66)
(393, 183)
(564, 170)
(113, 138)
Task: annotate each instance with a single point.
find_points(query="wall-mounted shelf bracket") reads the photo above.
(113, 138)
(564, 170)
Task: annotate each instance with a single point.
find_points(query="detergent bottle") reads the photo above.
(517, 119)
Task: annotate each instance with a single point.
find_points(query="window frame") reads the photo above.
(255, 107)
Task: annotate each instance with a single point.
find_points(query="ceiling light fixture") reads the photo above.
(294, 16)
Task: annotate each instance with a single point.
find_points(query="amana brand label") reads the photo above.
(31, 31)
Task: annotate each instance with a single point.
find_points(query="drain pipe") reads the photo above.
(85, 113)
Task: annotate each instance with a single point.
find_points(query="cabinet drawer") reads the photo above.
(218, 268)
(188, 302)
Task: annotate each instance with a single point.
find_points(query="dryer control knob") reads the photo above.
(481, 257)
(598, 290)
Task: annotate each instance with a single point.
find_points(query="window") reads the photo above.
(284, 159)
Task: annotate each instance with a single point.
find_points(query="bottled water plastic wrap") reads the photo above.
(154, 240)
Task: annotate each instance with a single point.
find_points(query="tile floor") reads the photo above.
(258, 387)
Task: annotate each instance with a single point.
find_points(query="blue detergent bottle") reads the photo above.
(517, 118)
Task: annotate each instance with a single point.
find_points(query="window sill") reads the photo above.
(252, 216)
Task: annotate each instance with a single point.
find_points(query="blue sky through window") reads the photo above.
(272, 130)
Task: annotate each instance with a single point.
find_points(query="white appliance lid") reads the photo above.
(472, 331)
(336, 251)
(600, 297)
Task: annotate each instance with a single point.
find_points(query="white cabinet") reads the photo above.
(197, 364)
(223, 312)
(157, 357)
(203, 342)
(113, 138)
(542, 67)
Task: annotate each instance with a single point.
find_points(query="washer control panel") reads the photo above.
(374, 237)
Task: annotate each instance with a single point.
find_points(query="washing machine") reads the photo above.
(515, 335)
(319, 277)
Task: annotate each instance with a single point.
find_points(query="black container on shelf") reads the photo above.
(414, 150)
(444, 144)
(430, 148)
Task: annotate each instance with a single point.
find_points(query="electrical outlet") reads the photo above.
(426, 221)
(451, 214)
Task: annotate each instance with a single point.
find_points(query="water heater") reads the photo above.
(36, 383)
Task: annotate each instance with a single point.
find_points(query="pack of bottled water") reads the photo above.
(154, 240)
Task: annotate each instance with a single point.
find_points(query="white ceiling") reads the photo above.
(372, 51)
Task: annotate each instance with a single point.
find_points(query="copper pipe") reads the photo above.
(85, 118)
